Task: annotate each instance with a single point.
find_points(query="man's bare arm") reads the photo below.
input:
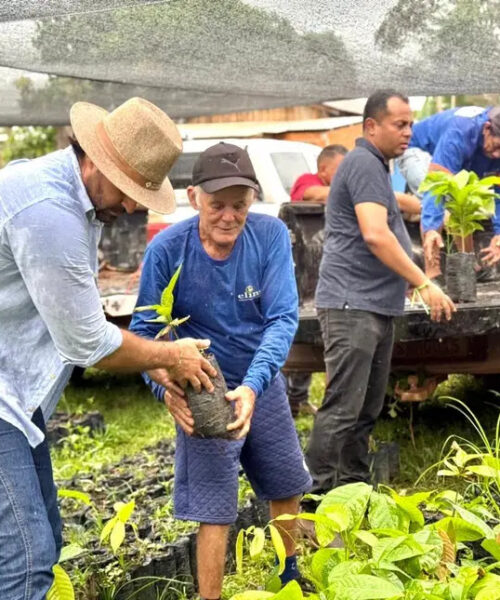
(372, 219)
(181, 359)
(316, 193)
(408, 203)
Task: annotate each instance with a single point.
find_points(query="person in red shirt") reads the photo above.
(314, 187)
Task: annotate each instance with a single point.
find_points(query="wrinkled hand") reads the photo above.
(244, 398)
(175, 401)
(491, 255)
(433, 242)
(438, 302)
(192, 367)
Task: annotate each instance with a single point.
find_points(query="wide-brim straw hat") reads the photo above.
(134, 146)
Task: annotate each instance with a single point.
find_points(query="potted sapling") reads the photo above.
(212, 413)
(468, 200)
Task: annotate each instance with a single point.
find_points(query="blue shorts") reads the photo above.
(206, 470)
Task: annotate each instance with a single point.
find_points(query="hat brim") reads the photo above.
(84, 118)
(214, 185)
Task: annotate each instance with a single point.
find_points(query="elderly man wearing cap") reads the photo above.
(237, 284)
(452, 140)
(51, 212)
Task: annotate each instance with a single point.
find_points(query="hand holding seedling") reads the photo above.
(491, 254)
(244, 398)
(192, 367)
(437, 301)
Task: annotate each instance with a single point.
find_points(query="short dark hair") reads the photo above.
(376, 105)
(75, 144)
(331, 152)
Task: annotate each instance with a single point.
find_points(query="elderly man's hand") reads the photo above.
(244, 398)
(175, 401)
(192, 367)
(491, 255)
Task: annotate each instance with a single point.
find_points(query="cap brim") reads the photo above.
(84, 118)
(214, 185)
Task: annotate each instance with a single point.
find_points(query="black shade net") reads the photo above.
(196, 57)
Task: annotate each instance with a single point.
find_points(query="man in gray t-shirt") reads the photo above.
(364, 274)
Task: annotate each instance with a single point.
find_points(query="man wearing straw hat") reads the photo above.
(51, 213)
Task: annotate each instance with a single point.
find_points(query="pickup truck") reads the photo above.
(469, 343)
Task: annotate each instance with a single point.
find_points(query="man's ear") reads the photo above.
(369, 125)
(191, 193)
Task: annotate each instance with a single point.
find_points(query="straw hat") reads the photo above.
(135, 146)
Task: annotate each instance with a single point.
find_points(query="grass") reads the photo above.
(135, 420)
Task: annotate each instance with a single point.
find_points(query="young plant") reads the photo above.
(114, 530)
(390, 551)
(468, 200)
(164, 309)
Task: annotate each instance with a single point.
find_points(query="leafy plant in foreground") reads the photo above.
(390, 551)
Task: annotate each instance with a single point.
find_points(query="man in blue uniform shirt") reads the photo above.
(455, 139)
(237, 284)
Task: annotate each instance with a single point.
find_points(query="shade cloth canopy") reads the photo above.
(194, 57)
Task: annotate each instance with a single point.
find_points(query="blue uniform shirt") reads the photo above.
(246, 304)
(454, 139)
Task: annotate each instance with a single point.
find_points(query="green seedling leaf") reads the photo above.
(383, 512)
(125, 511)
(493, 547)
(364, 587)
(368, 538)
(409, 506)
(354, 497)
(323, 561)
(76, 495)
(117, 536)
(107, 529)
(462, 530)
(253, 595)
(291, 591)
(167, 296)
(484, 471)
(71, 551)
(239, 550)
(257, 543)
(473, 519)
(62, 588)
(279, 547)
(348, 567)
(156, 307)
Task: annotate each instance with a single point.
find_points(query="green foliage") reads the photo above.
(467, 198)
(477, 464)
(389, 551)
(164, 309)
(114, 530)
(62, 588)
(28, 142)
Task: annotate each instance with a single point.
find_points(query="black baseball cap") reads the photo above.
(222, 166)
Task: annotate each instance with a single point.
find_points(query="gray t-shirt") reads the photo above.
(350, 275)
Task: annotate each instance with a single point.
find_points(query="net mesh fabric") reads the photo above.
(193, 57)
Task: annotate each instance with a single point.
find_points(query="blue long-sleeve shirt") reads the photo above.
(454, 138)
(246, 304)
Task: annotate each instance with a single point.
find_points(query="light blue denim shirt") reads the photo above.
(50, 312)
